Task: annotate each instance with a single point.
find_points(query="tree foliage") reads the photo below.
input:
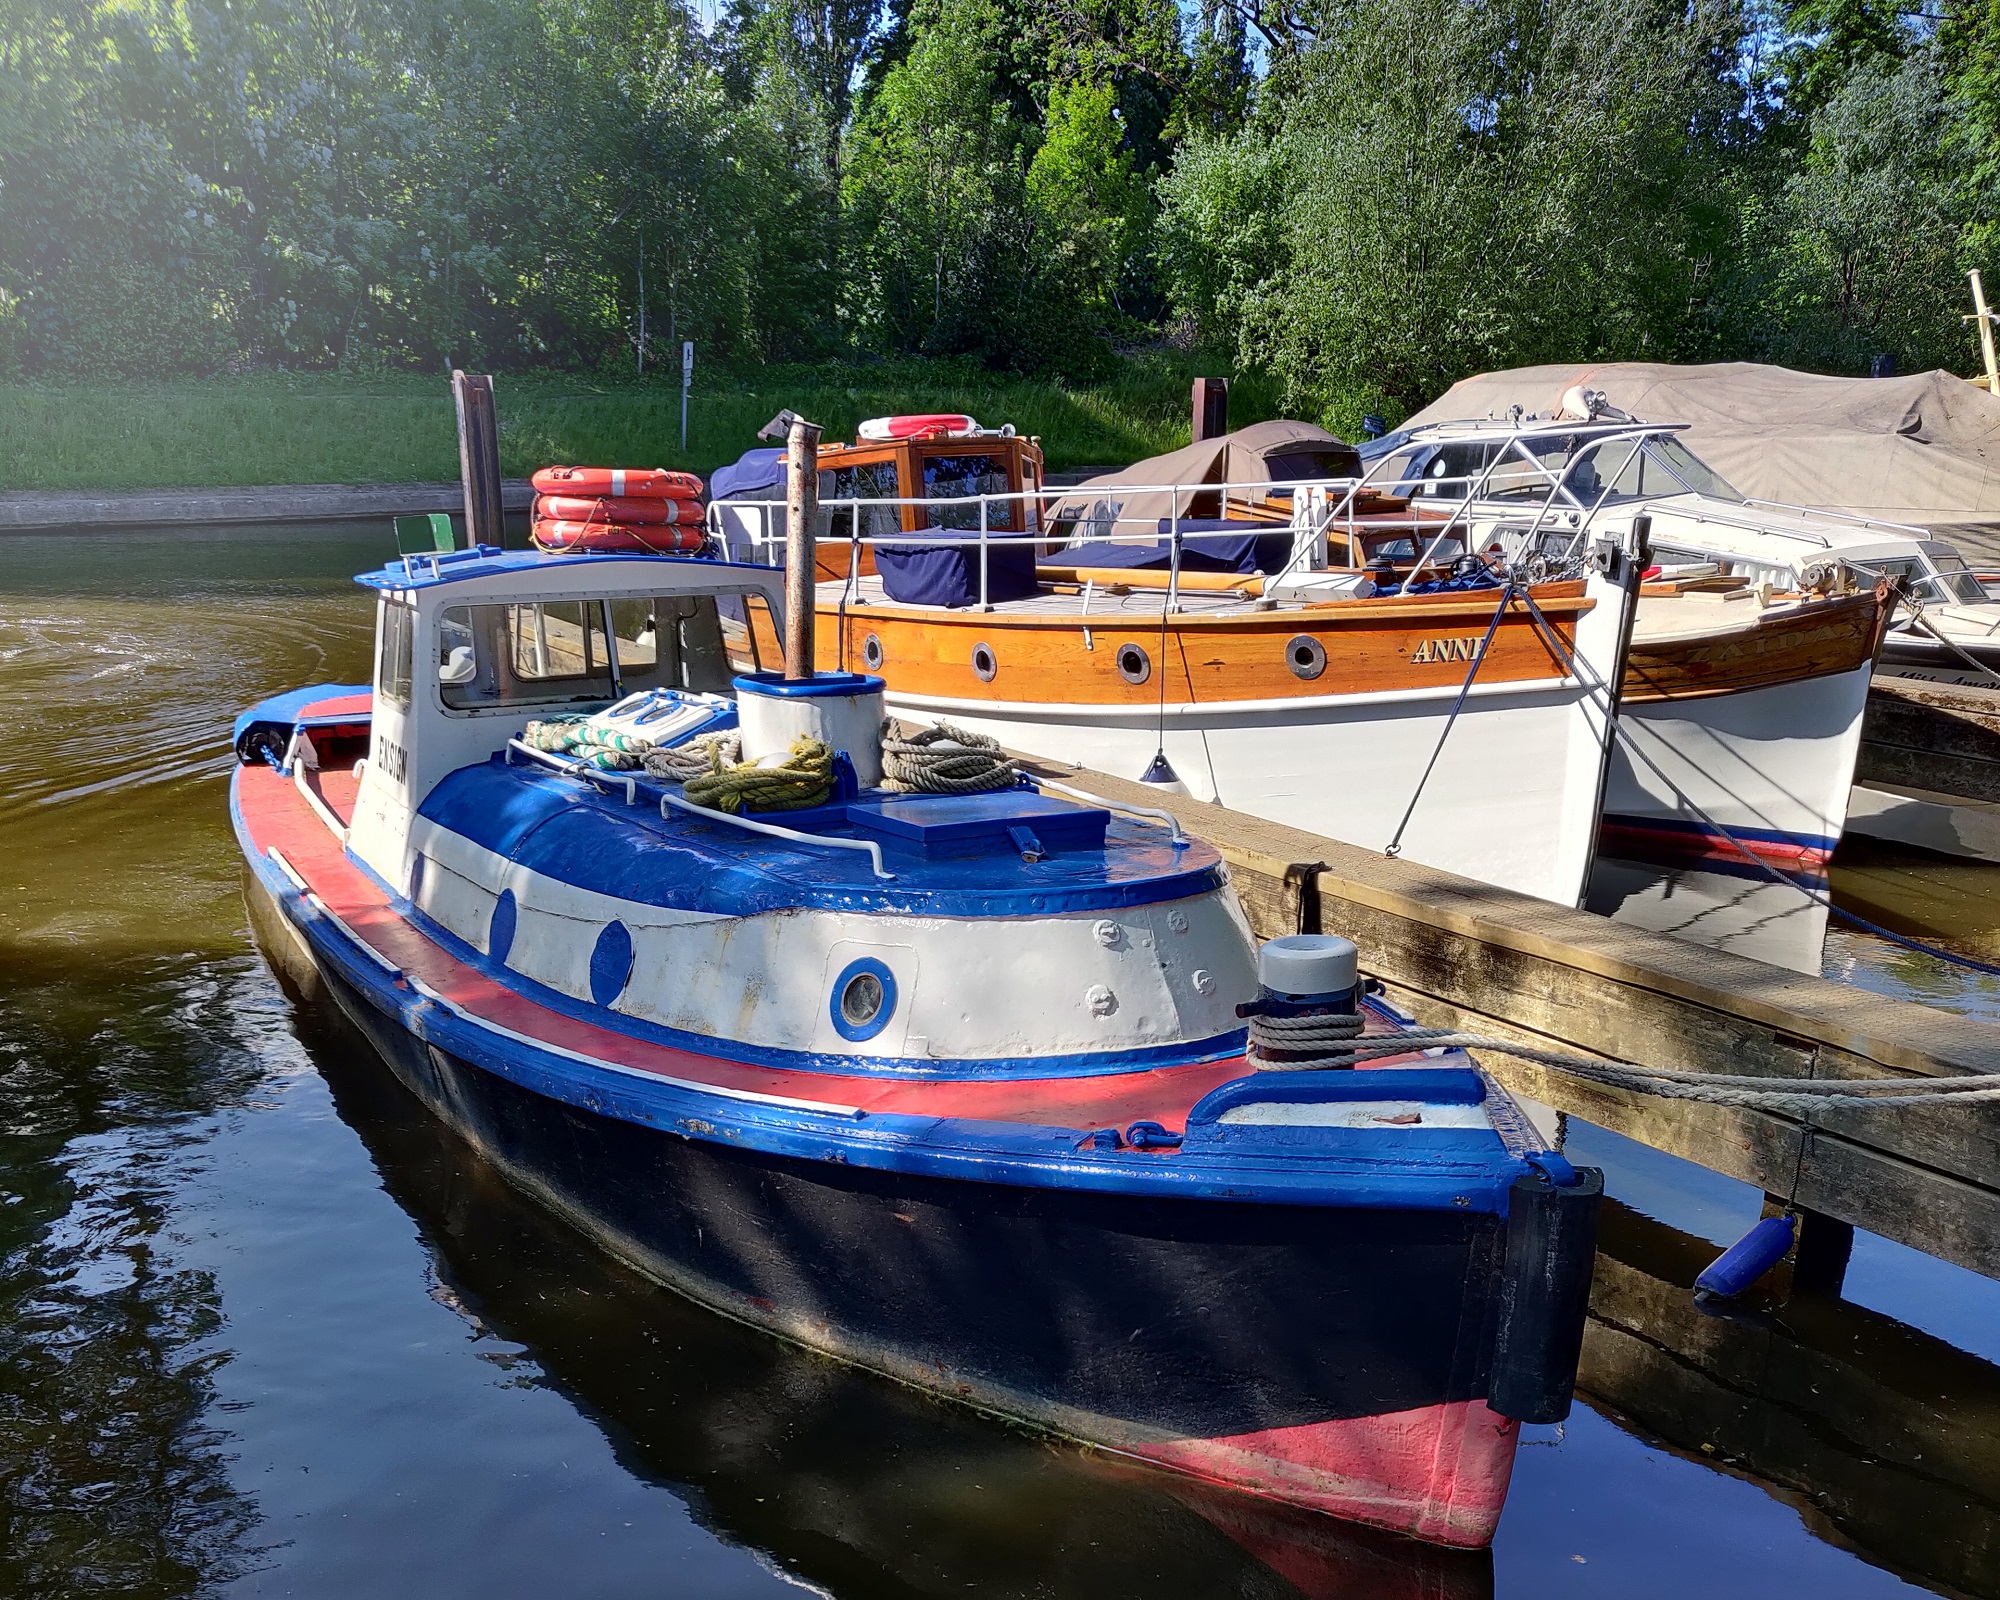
(1368, 198)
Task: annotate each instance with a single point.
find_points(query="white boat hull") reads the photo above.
(1771, 766)
(1512, 801)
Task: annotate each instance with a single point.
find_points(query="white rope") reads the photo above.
(1301, 1044)
(1799, 1096)
(680, 762)
(942, 760)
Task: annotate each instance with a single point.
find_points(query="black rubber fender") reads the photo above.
(1544, 1294)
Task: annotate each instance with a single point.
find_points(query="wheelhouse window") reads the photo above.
(867, 480)
(396, 634)
(578, 652)
(957, 477)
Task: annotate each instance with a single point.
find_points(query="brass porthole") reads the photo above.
(1305, 655)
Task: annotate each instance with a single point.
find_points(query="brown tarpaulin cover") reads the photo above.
(1239, 457)
(1923, 449)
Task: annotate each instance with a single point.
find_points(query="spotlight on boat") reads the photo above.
(1161, 775)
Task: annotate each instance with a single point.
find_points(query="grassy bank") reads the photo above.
(331, 428)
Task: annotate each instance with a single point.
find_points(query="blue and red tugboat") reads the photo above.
(950, 1086)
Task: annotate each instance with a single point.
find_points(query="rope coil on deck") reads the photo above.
(1798, 1096)
(610, 749)
(804, 778)
(680, 762)
(943, 759)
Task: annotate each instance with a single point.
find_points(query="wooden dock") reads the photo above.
(1464, 954)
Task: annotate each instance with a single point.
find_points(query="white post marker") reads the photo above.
(687, 375)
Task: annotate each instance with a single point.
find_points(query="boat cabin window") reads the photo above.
(395, 643)
(956, 476)
(1408, 546)
(865, 480)
(563, 652)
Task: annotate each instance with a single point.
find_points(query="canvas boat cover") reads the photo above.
(1265, 451)
(1922, 449)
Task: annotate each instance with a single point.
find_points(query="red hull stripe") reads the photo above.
(1438, 1473)
(1701, 845)
(275, 815)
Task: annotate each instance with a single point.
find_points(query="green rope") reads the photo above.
(805, 779)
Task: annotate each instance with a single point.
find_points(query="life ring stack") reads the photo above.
(581, 510)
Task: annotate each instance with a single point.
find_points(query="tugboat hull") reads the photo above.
(1334, 1358)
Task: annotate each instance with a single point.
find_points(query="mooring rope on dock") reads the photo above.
(1799, 1096)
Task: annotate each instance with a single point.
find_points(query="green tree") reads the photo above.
(1453, 187)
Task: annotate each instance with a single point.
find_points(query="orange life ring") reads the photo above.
(567, 537)
(613, 508)
(646, 483)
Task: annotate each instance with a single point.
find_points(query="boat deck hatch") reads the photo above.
(957, 825)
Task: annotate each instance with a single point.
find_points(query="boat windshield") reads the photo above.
(1939, 574)
(1589, 471)
(1953, 580)
(563, 652)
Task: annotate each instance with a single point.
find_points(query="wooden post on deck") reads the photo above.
(801, 512)
(479, 458)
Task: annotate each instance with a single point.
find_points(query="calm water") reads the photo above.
(265, 1329)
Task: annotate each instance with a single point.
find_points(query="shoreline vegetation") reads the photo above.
(302, 428)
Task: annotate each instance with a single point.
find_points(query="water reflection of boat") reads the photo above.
(847, 1483)
(1735, 907)
(1880, 1435)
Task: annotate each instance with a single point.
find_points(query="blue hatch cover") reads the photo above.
(965, 824)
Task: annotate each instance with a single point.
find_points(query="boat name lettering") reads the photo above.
(390, 757)
(1470, 648)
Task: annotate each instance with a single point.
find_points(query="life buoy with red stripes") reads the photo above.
(567, 537)
(617, 508)
(644, 483)
(929, 425)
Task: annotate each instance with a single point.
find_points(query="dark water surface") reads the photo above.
(266, 1329)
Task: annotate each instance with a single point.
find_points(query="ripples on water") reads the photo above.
(264, 1328)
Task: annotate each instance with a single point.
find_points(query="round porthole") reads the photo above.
(611, 963)
(1134, 665)
(863, 999)
(500, 931)
(871, 651)
(984, 664)
(1305, 655)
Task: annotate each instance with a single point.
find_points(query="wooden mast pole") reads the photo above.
(801, 561)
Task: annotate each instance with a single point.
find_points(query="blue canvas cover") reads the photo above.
(1207, 545)
(947, 573)
(750, 474)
